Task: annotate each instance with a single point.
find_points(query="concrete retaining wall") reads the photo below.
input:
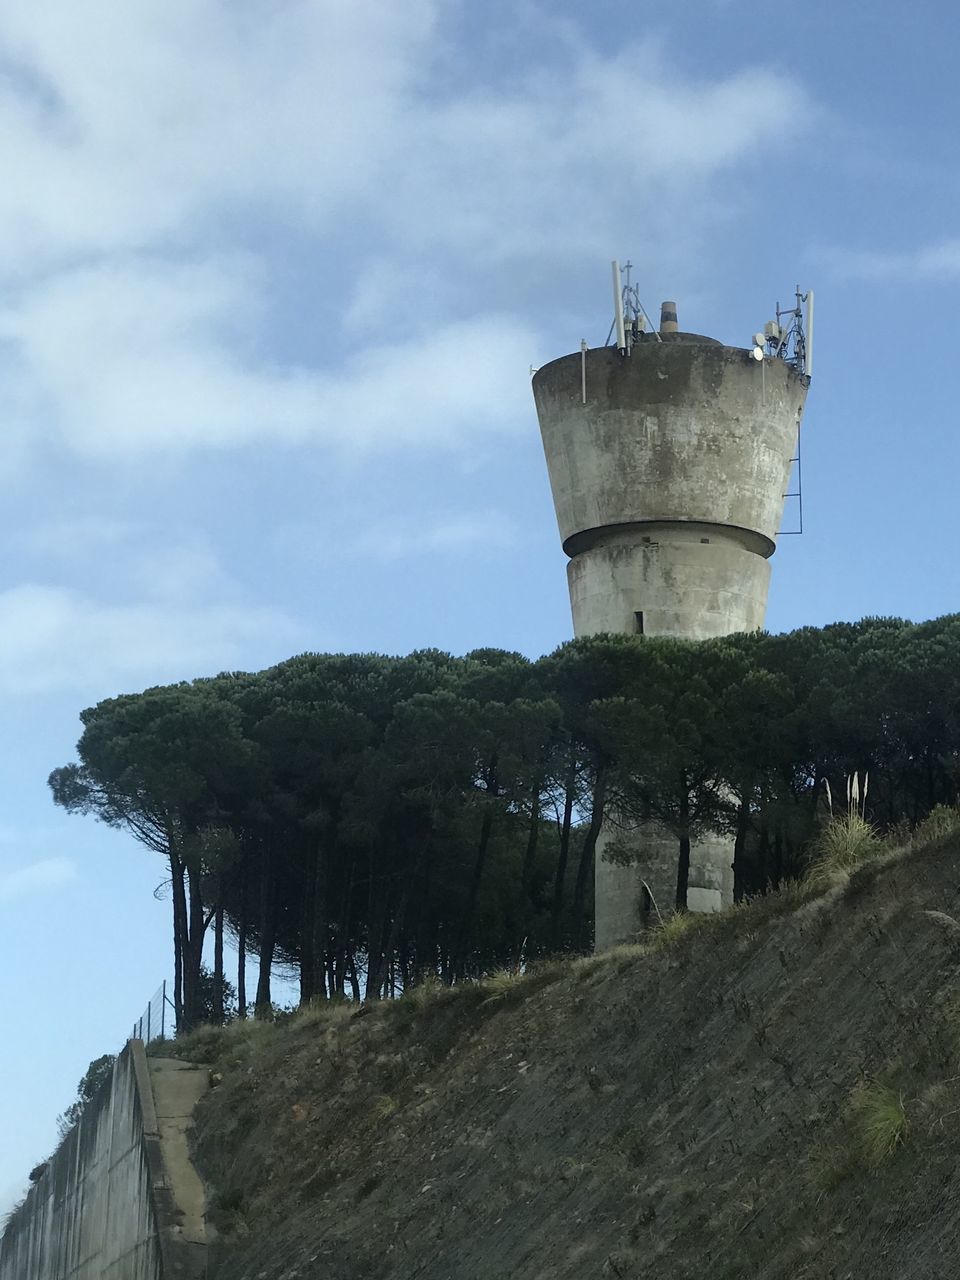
(106, 1207)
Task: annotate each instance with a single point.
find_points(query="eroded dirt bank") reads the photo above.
(701, 1110)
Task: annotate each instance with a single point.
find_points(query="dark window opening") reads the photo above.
(639, 618)
(704, 539)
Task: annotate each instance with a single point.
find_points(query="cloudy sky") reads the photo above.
(272, 277)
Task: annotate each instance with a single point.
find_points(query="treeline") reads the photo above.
(367, 821)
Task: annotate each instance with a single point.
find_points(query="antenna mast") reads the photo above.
(788, 338)
(618, 307)
(630, 318)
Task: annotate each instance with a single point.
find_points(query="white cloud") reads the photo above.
(133, 359)
(51, 873)
(127, 124)
(157, 158)
(133, 125)
(471, 533)
(145, 604)
(72, 539)
(54, 637)
(140, 559)
(935, 263)
(571, 161)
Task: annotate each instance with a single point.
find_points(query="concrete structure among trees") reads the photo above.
(669, 460)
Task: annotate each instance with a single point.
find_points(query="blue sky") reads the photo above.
(272, 276)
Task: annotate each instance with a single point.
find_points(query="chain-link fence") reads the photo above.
(156, 1020)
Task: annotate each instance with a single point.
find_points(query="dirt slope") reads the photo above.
(695, 1111)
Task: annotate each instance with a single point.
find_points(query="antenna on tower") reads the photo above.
(788, 338)
(618, 307)
(630, 317)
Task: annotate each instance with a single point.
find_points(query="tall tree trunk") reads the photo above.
(268, 938)
(179, 936)
(193, 956)
(683, 873)
(415, 946)
(377, 926)
(683, 863)
(393, 936)
(587, 854)
(931, 785)
(343, 931)
(242, 947)
(319, 930)
(563, 853)
(218, 1009)
(428, 949)
(533, 839)
(778, 856)
(352, 975)
(763, 846)
(465, 931)
(739, 847)
(308, 966)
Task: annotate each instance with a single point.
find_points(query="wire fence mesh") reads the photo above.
(157, 1020)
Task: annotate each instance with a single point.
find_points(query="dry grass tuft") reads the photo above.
(941, 823)
(619, 958)
(501, 984)
(323, 1014)
(682, 924)
(210, 1044)
(384, 1107)
(844, 844)
(428, 992)
(880, 1122)
(202, 1044)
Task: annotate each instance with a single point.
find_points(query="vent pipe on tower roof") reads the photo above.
(668, 317)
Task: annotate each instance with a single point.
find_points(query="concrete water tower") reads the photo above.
(669, 457)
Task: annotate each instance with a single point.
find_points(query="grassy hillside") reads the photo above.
(770, 1093)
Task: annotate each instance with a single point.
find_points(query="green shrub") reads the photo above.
(209, 1044)
(682, 924)
(843, 844)
(500, 984)
(323, 1013)
(880, 1121)
(425, 992)
(941, 822)
(384, 1107)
